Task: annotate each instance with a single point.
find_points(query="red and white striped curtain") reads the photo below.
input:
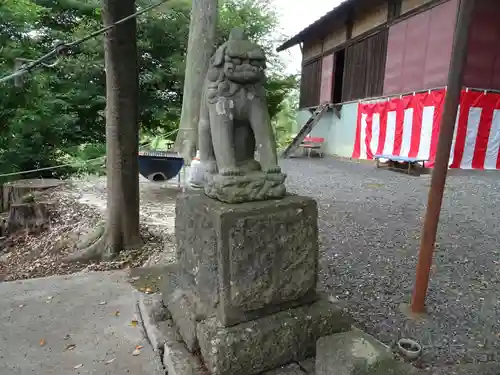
(409, 126)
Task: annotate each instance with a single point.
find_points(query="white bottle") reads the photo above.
(196, 173)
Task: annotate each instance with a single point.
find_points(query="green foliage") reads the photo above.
(87, 159)
(257, 17)
(278, 88)
(285, 120)
(58, 117)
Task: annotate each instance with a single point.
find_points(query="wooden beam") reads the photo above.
(349, 25)
(394, 9)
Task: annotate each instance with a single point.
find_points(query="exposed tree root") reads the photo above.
(96, 247)
(93, 248)
(92, 237)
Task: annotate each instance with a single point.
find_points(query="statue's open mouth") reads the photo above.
(245, 74)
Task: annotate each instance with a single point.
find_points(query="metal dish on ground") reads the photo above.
(409, 349)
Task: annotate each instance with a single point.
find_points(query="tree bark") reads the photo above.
(121, 229)
(122, 126)
(201, 46)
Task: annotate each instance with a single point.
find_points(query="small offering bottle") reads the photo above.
(196, 172)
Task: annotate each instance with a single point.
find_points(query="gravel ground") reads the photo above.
(370, 222)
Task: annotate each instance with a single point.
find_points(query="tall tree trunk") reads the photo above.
(122, 137)
(201, 46)
(122, 125)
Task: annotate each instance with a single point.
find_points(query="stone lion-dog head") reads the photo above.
(238, 61)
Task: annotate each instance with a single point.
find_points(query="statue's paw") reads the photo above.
(275, 169)
(211, 166)
(230, 171)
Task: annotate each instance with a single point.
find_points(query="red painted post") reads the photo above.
(438, 180)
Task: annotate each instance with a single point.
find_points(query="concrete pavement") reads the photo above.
(41, 320)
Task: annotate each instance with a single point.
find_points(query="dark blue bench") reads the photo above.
(401, 159)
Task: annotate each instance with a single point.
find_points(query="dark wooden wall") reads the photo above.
(419, 50)
(310, 82)
(390, 47)
(364, 68)
(483, 61)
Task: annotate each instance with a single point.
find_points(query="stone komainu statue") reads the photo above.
(234, 123)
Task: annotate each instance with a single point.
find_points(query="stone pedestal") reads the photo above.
(243, 290)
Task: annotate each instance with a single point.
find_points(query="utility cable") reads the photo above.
(62, 48)
(82, 163)
(50, 168)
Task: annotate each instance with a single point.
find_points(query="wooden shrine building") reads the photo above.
(382, 66)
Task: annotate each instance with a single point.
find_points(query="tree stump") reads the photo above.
(15, 191)
(3, 225)
(33, 217)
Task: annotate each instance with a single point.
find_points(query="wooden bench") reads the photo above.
(400, 159)
(313, 143)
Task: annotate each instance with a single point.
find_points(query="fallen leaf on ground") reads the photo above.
(134, 323)
(136, 352)
(70, 347)
(110, 361)
(75, 216)
(149, 290)
(142, 289)
(42, 342)
(117, 313)
(78, 366)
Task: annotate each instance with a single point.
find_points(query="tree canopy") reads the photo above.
(58, 113)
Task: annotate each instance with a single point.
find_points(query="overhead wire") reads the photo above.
(106, 28)
(62, 47)
(80, 163)
(57, 50)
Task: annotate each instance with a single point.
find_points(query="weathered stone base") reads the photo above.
(252, 347)
(186, 310)
(180, 361)
(279, 343)
(254, 186)
(268, 342)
